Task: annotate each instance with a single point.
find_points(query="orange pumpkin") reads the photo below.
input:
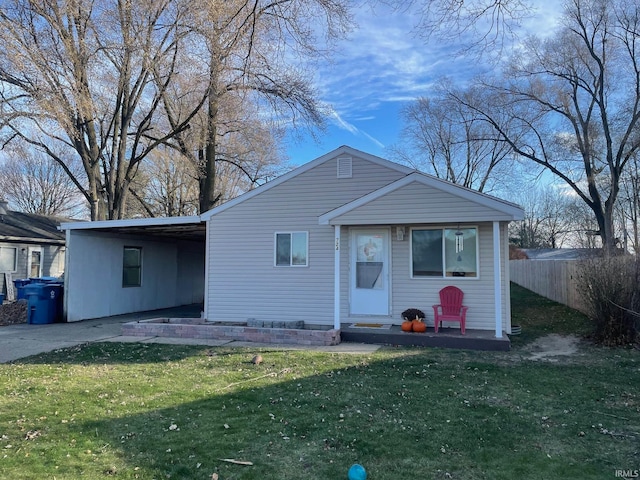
(419, 326)
(407, 326)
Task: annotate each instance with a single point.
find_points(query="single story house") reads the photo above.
(347, 237)
(30, 246)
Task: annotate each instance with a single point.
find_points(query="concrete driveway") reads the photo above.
(24, 340)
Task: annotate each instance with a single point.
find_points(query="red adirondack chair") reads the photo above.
(450, 308)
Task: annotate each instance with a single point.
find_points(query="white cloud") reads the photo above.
(384, 65)
(337, 119)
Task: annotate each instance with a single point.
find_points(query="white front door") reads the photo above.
(369, 282)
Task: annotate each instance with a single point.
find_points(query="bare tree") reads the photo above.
(166, 186)
(250, 50)
(248, 149)
(87, 77)
(572, 103)
(33, 183)
(485, 24)
(547, 221)
(92, 76)
(168, 183)
(446, 138)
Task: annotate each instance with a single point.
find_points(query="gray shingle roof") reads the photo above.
(16, 226)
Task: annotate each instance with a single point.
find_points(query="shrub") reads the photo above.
(609, 285)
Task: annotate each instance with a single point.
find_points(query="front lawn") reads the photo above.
(128, 411)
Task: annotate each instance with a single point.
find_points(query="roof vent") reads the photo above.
(344, 167)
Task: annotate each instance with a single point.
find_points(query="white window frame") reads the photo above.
(291, 264)
(15, 259)
(444, 275)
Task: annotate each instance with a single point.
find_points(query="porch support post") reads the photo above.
(497, 278)
(336, 280)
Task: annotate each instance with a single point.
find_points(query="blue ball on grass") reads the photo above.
(357, 472)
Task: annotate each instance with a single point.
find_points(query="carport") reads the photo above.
(126, 266)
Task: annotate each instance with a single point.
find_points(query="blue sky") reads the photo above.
(380, 68)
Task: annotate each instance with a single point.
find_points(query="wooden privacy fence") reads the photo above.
(553, 279)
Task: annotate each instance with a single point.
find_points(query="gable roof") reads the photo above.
(181, 225)
(497, 209)
(30, 228)
(343, 150)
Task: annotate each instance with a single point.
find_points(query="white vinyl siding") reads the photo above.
(249, 286)
(414, 204)
(53, 261)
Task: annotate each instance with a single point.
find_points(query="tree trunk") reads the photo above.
(208, 171)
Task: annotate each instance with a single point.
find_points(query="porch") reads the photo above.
(445, 338)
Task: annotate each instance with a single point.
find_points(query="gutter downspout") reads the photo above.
(336, 279)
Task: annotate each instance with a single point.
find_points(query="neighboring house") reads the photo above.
(346, 237)
(30, 246)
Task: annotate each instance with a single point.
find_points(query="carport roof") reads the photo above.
(185, 228)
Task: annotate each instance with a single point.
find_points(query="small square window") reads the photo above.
(291, 249)
(132, 267)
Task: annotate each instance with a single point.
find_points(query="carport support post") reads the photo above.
(497, 278)
(336, 280)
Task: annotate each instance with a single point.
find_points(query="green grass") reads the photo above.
(539, 316)
(129, 411)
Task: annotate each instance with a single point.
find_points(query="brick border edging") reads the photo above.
(287, 336)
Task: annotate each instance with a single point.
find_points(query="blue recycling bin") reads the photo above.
(20, 284)
(44, 279)
(43, 303)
